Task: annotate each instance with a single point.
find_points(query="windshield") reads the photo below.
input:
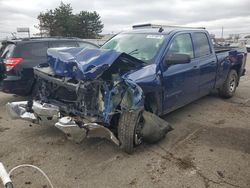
(140, 46)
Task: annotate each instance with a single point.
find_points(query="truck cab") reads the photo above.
(181, 64)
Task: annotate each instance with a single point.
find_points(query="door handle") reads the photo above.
(195, 67)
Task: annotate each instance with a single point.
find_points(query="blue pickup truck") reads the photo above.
(120, 91)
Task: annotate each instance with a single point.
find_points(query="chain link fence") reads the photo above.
(7, 35)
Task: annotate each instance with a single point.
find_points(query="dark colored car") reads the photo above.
(18, 57)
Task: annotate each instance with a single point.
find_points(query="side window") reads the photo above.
(202, 47)
(58, 44)
(86, 45)
(182, 44)
(34, 49)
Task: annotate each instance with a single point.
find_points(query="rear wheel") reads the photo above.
(129, 128)
(229, 87)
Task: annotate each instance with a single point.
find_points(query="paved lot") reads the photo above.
(209, 147)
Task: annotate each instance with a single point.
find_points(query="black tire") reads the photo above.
(127, 128)
(229, 87)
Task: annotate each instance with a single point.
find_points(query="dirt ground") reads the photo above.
(209, 147)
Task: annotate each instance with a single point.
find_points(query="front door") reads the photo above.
(180, 81)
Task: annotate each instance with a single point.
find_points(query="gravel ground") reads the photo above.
(209, 147)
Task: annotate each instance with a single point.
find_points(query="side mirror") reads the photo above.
(177, 59)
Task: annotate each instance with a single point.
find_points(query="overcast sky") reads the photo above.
(119, 15)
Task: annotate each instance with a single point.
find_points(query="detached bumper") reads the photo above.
(47, 114)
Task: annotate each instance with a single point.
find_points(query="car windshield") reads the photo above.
(140, 46)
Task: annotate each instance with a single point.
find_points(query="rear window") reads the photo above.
(2, 47)
(7, 50)
(202, 47)
(58, 44)
(36, 49)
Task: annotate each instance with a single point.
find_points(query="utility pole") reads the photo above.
(222, 32)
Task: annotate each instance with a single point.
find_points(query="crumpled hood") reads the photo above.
(85, 64)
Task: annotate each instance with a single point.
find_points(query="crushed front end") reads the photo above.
(84, 94)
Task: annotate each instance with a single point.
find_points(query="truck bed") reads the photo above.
(219, 49)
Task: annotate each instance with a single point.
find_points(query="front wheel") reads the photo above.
(229, 87)
(129, 127)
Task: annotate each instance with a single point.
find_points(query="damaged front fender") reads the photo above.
(154, 128)
(125, 96)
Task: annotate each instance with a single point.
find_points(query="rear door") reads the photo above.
(62, 43)
(88, 45)
(207, 62)
(33, 54)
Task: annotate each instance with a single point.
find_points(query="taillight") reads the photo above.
(10, 63)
